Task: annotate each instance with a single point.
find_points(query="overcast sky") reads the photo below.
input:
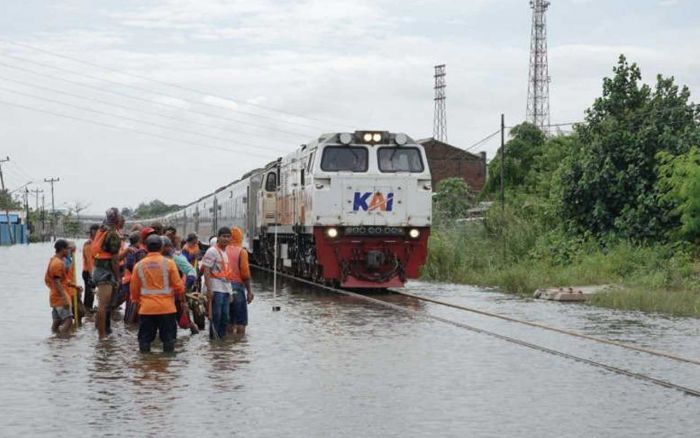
(256, 78)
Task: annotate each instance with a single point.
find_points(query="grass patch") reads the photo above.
(660, 278)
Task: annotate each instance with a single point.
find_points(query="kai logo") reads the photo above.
(372, 201)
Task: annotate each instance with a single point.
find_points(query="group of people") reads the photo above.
(154, 275)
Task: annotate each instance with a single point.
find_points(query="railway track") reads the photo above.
(611, 368)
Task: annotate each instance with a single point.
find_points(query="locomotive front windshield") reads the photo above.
(344, 159)
(400, 159)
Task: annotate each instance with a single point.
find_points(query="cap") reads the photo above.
(145, 232)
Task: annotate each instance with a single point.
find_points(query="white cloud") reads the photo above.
(352, 65)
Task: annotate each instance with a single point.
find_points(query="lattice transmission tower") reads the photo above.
(440, 116)
(538, 85)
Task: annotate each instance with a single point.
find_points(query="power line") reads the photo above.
(142, 89)
(137, 131)
(181, 87)
(104, 102)
(152, 102)
(131, 119)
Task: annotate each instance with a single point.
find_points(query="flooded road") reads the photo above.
(329, 365)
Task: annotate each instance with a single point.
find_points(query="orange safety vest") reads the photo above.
(234, 260)
(156, 293)
(225, 272)
(192, 250)
(96, 245)
(88, 260)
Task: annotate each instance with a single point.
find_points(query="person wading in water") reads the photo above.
(216, 279)
(105, 248)
(88, 266)
(60, 287)
(154, 287)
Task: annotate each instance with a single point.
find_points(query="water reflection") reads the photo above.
(326, 365)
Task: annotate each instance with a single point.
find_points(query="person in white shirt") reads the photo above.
(216, 278)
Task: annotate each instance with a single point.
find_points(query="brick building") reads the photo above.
(448, 161)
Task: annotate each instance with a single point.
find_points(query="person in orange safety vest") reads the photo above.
(61, 289)
(240, 282)
(154, 285)
(88, 265)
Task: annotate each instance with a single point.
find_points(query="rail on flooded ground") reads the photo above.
(610, 368)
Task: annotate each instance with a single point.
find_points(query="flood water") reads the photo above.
(329, 365)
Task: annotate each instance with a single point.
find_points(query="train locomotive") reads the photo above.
(349, 209)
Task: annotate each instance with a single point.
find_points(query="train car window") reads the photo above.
(344, 159)
(400, 159)
(310, 163)
(271, 182)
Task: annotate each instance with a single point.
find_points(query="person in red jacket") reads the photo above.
(154, 285)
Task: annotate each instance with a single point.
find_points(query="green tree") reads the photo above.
(609, 184)
(154, 208)
(452, 200)
(7, 203)
(679, 184)
(523, 151)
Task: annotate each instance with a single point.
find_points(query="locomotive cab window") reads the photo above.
(271, 182)
(344, 159)
(400, 159)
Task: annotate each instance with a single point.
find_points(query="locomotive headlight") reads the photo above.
(414, 233)
(400, 139)
(332, 233)
(345, 138)
(367, 137)
(377, 137)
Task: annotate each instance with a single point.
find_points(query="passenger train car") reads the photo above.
(351, 209)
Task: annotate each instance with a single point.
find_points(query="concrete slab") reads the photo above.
(570, 294)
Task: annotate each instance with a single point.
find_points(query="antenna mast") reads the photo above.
(538, 85)
(440, 117)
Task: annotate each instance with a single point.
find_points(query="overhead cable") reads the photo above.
(126, 107)
(146, 90)
(162, 104)
(181, 87)
(134, 120)
(137, 131)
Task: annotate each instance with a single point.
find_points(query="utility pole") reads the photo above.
(37, 217)
(43, 216)
(53, 207)
(9, 199)
(26, 210)
(36, 199)
(503, 184)
(440, 116)
(538, 84)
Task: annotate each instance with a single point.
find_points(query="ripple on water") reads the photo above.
(329, 365)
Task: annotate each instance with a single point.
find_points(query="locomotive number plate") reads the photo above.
(374, 231)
